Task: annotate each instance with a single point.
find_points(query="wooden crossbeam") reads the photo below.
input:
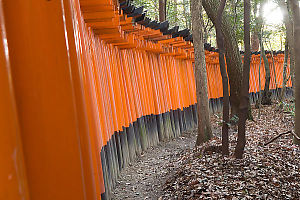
(180, 44)
(95, 2)
(110, 25)
(109, 36)
(167, 41)
(86, 9)
(99, 15)
(109, 30)
(103, 24)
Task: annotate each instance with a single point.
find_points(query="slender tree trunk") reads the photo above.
(186, 14)
(274, 71)
(220, 42)
(233, 57)
(285, 64)
(206, 30)
(241, 142)
(254, 41)
(259, 83)
(205, 38)
(255, 33)
(296, 17)
(289, 25)
(175, 13)
(258, 30)
(266, 96)
(162, 10)
(204, 126)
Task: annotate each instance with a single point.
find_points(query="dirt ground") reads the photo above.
(144, 178)
(174, 170)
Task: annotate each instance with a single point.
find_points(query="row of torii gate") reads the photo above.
(86, 86)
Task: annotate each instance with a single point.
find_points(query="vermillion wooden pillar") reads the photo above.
(56, 149)
(13, 183)
(93, 173)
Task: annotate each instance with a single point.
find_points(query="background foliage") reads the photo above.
(178, 14)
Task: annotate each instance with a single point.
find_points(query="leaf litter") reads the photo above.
(176, 170)
(265, 172)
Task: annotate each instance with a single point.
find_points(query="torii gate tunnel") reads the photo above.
(87, 85)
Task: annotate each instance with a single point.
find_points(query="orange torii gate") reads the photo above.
(85, 90)
(215, 89)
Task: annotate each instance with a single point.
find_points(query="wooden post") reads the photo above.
(56, 148)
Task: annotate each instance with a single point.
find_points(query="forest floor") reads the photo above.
(145, 178)
(176, 170)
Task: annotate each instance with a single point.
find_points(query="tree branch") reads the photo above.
(281, 134)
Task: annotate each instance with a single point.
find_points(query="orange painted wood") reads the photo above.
(13, 180)
(53, 147)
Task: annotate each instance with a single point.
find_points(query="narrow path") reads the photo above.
(144, 178)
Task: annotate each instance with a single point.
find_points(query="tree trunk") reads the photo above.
(296, 17)
(243, 108)
(204, 126)
(255, 33)
(274, 71)
(186, 14)
(259, 84)
(220, 42)
(233, 57)
(285, 64)
(205, 37)
(254, 41)
(162, 10)
(258, 30)
(175, 13)
(266, 95)
(288, 22)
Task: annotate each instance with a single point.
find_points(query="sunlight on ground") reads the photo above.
(272, 13)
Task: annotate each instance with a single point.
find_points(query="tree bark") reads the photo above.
(274, 71)
(289, 25)
(233, 57)
(162, 10)
(175, 13)
(204, 126)
(220, 42)
(243, 108)
(259, 84)
(266, 95)
(285, 64)
(296, 18)
(255, 33)
(186, 14)
(254, 41)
